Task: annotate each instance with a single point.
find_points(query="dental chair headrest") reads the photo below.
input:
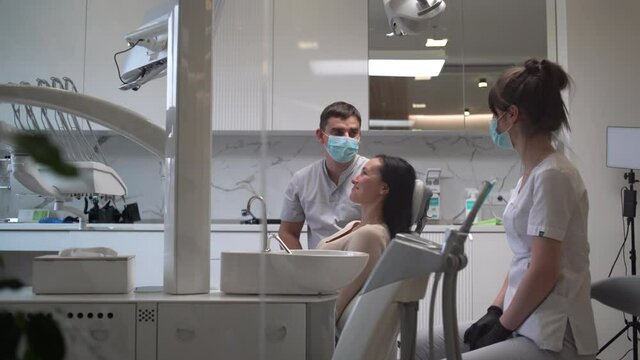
(421, 198)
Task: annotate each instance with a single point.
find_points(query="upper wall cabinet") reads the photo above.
(242, 62)
(320, 56)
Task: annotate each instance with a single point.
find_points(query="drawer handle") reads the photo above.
(99, 335)
(277, 335)
(185, 334)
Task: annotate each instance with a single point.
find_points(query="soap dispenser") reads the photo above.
(472, 196)
(433, 184)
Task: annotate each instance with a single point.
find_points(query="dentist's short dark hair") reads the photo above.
(341, 110)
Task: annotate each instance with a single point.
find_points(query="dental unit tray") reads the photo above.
(409, 258)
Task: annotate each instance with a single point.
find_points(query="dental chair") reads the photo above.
(387, 305)
(404, 308)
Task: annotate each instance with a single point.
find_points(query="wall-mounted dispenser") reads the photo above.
(433, 183)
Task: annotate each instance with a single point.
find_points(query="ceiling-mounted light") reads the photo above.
(406, 63)
(405, 68)
(421, 78)
(308, 45)
(419, 105)
(467, 112)
(482, 83)
(436, 42)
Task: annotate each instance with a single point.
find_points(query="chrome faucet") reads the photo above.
(247, 211)
(265, 241)
(279, 240)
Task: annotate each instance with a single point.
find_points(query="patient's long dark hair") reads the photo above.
(400, 176)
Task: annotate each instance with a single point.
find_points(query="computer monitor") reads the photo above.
(623, 147)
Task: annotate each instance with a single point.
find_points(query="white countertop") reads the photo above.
(26, 295)
(225, 226)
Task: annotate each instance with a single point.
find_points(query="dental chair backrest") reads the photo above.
(383, 344)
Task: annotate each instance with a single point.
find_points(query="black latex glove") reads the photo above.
(482, 326)
(497, 334)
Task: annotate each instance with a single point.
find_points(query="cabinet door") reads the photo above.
(91, 331)
(489, 264)
(320, 56)
(231, 331)
(242, 42)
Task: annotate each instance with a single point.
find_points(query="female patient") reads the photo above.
(384, 190)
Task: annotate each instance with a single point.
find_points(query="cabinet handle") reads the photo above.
(277, 335)
(99, 335)
(185, 334)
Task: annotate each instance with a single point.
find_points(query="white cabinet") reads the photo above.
(489, 264)
(90, 330)
(229, 331)
(320, 56)
(242, 45)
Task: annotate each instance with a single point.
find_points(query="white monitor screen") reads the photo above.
(623, 147)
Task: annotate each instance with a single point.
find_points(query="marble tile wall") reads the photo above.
(239, 168)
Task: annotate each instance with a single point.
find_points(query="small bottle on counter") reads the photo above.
(472, 196)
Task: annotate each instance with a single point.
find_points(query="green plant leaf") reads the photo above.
(44, 337)
(44, 152)
(10, 335)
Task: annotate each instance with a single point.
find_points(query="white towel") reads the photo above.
(88, 252)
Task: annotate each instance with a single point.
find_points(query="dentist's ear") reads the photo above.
(320, 136)
(384, 190)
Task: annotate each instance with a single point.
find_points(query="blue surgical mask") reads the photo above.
(342, 148)
(502, 140)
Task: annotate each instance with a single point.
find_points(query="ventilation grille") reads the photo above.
(146, 315)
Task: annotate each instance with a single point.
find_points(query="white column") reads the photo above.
(188, 149)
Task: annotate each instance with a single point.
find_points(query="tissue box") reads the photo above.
(54, 274)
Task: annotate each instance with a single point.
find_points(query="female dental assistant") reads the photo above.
(543, 310)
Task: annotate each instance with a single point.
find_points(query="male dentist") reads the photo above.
(319, 193)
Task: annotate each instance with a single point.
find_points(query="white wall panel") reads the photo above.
(107, 23)
(320, 56)
(41, 39)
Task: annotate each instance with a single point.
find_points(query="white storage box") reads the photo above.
(54, 274)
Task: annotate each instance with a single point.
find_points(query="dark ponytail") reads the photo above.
(535, 88)
(400, 177)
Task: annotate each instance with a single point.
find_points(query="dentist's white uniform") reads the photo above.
(553, 203)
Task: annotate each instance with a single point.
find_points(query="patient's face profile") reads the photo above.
(368, 186)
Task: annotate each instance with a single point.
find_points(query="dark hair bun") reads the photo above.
(533, 67)
(555, 73)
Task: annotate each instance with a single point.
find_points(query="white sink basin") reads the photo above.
(303, 272)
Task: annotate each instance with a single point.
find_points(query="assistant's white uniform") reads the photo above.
(553, 203)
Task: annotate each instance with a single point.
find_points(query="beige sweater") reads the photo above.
(370, 239)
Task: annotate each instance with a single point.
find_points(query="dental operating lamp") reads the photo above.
(410, 17)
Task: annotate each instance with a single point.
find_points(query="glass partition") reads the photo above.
(477, 39)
